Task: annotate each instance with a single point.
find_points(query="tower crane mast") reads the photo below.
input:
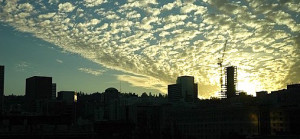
(220, 63)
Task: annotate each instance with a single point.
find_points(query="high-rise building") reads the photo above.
(231, 81)
(187, 87)
(67, 96)
(174, 93)
(184, 90)
(1, 87)
(38, 93)
(38, 87)
(53, 91)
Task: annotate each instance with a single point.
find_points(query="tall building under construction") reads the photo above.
(231, 81)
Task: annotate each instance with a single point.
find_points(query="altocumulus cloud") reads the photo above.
(162, 40)
(92, 71)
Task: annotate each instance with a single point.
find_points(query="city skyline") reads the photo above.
(180, 114)
(92, 45)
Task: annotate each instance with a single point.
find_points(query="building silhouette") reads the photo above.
(184, 90)
(38, 91)
(68, 100)
(67, 96)
(181, 115)
(38, 87)
(1, 87)
(174, 93)
(110, 95)
(231, 81)
(53, 91)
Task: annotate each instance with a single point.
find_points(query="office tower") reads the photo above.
(37, 94)
(67, 96)
(38, 87)
(53, 91)
(1, 87)
(187, 87)
(68, 99)
(231, 81)
(174, 93)
(184, 90)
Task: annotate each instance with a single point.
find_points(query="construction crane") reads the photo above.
(220, 63)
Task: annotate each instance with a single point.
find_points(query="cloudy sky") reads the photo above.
(90, 45)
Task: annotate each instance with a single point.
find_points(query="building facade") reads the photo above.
(184, 90)
(53, 91)
(231, 81)
(67, 96)
(1, 87)
(38, 92)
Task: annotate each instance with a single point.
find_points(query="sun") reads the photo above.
(247, 87)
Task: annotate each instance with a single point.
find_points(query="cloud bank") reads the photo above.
(162, 40)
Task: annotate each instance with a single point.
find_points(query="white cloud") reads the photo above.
(143, 81)
(48, 15)
(147, 21)
(93, 3)
(200, 10)
(175, 18)
(65, 7)
(293, 6)
(92, 71)
(152, 11)
(169, 6)
(59, 61)
(133, 14)
(164, 33)
(22, 66)
(188, 8)
(94, 21)
(26, 7)
(53, 1)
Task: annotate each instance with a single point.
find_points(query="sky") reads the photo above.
(144, 45)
